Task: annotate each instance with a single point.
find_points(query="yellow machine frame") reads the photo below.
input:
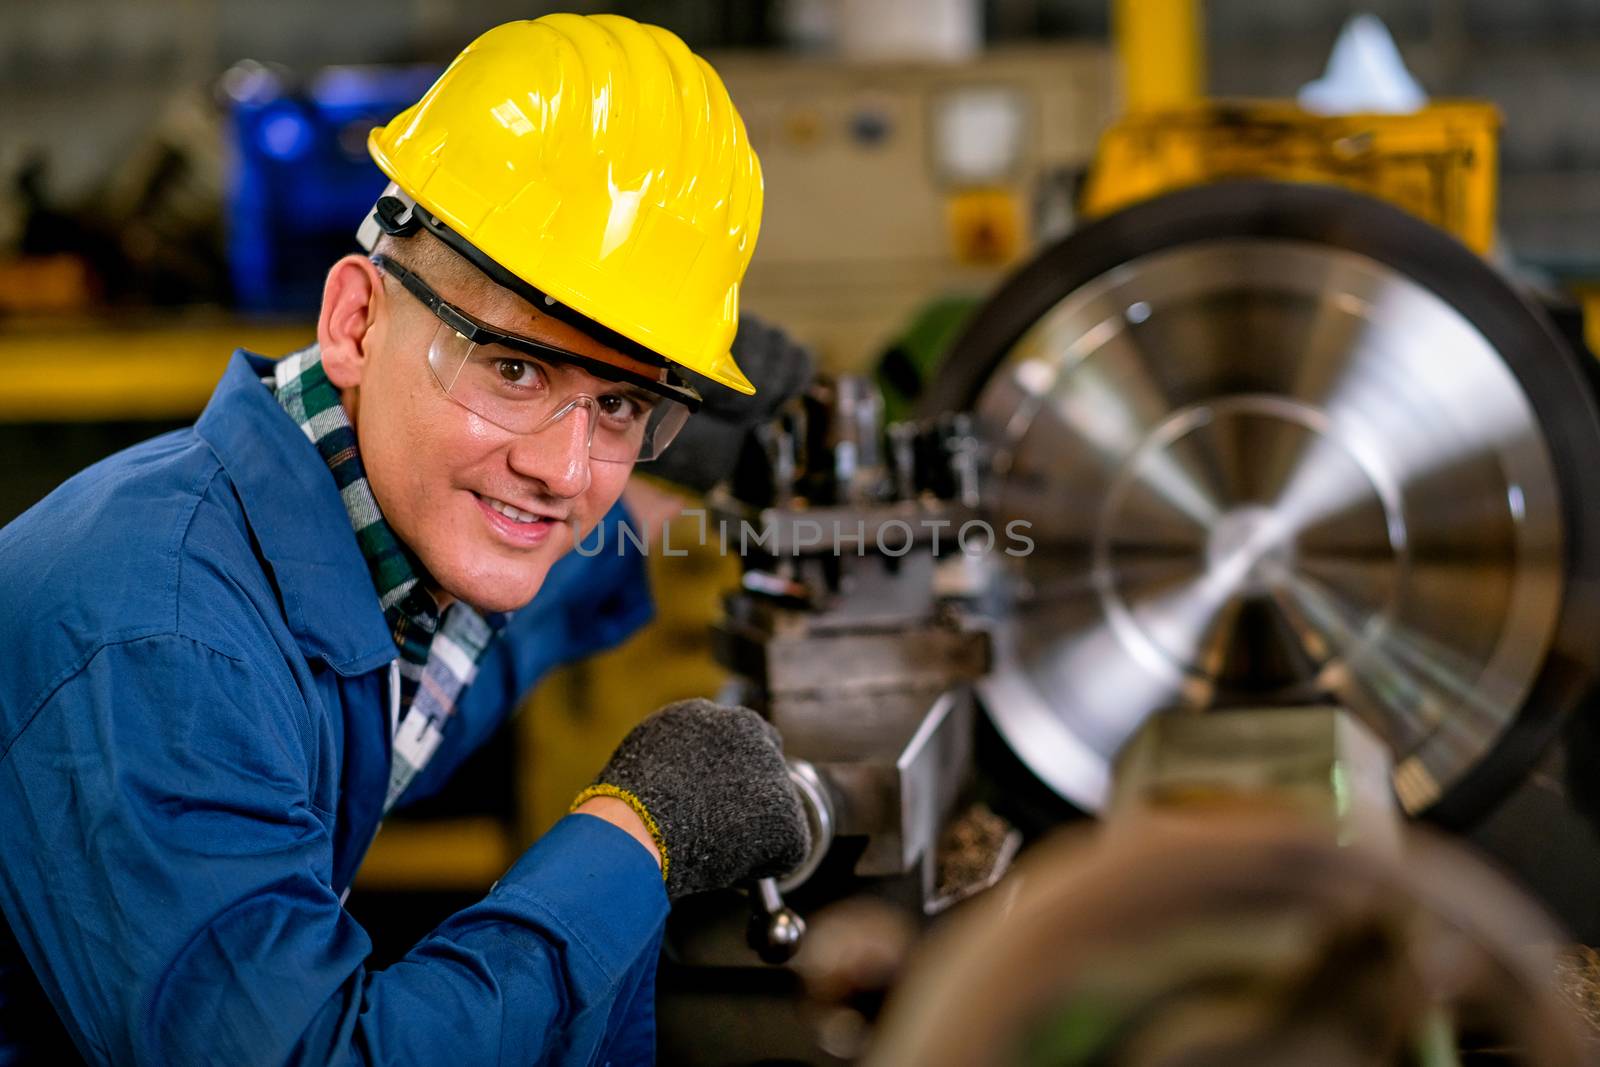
(1440, 163)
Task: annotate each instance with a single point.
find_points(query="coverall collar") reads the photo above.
(297, 516)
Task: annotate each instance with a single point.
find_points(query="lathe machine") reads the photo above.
(1246, 445)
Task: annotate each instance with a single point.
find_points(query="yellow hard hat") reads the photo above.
(596, 163)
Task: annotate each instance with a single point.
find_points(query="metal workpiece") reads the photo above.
(1283, 446)
(1316, 764)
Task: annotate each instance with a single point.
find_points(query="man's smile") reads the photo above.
(514, 526)
(513, 512)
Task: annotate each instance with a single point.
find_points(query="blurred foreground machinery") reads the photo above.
(1250, 453)
(1239, 942)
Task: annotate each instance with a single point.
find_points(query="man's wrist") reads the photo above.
(621, 815)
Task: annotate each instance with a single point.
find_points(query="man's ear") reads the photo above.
(351, 299)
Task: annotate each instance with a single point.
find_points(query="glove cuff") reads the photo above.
(650, 824)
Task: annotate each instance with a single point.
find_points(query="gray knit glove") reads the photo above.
(707, 449)
(710, 784)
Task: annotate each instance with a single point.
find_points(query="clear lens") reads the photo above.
(523, 394)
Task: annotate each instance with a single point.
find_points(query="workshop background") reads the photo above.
(175, 175)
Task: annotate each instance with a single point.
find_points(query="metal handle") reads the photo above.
(775, 929)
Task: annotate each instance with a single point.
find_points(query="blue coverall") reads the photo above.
(194, 746)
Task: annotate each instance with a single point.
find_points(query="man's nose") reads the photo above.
(557, 454)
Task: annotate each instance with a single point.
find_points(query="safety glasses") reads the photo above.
(524, 386)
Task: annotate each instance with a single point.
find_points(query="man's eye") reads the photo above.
(515, 371)
(621, 408)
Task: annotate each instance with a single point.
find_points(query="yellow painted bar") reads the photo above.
(467, 854)
(1161, 46)
(102, 370)
(1591, 317)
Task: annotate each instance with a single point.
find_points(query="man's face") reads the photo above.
(444, 476)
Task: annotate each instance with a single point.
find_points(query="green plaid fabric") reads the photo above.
(438, 656)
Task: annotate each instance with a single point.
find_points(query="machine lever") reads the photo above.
(775, 929)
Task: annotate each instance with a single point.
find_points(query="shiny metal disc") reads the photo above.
(1268, 470)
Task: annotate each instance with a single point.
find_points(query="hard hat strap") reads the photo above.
(398, 215)
(393, 214)
(395, 218)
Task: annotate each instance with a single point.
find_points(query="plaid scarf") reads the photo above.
(438, 656)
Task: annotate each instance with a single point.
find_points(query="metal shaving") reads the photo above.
(1578, 977)
(976, 849)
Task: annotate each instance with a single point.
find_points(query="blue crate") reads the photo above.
(301, 179)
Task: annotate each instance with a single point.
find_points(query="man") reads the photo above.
(232, 649)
